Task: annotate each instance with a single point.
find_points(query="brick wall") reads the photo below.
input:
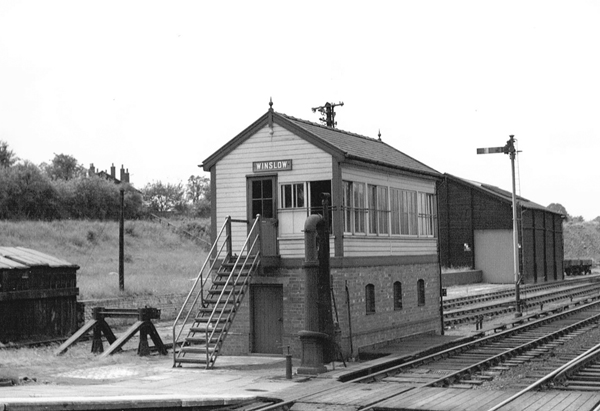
(358, 329)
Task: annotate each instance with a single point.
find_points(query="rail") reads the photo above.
(232, 283)
(560, 373)
(223, 253)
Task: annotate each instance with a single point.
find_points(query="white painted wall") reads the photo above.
(309, 163)
(494, 255)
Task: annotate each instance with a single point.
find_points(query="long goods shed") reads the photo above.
(476, 231)
(38, 295)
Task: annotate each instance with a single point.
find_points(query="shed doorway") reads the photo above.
(267, 318)
(494, 255)
(262, 199)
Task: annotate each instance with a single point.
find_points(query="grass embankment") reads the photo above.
(157, 260)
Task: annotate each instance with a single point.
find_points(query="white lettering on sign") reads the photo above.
(274, 165)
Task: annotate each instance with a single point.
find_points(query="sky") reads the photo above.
(158, 86)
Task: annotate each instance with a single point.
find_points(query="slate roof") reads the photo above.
(362, 148)
(341, 144)
(21, 258)
(502, 194)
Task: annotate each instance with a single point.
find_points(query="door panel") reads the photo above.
(262, 200)
(267, 318)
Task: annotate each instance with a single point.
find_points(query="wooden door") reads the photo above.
(267, 319)
(262, 199)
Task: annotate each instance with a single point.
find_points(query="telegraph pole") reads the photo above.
(328, 110)
(122, 242)
(509, 149)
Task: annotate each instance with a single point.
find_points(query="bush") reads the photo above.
(26, 193)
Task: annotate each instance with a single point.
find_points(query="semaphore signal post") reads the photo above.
(509, 149)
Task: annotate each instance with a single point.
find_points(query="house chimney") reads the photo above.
(112, 171)
(127, 176)
(92, 171)
(122, 174)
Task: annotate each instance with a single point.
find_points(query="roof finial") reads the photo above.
(379, 135)
(270, 103)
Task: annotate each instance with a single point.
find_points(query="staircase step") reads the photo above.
(196, 360)
(222, 282)
(210, 310)
(197, 350)
(218, 291)
(215, 300)
(202, 321)
(200, 329)
(201, 340)
(237, 273)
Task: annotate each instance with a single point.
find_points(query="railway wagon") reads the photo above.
(578, 266)
(38, 296)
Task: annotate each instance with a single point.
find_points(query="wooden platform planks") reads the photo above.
(357, 395)
(448, 399)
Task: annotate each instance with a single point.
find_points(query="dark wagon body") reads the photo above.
(578, 266)
(38, 296)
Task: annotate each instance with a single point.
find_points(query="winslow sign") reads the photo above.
(274, 165)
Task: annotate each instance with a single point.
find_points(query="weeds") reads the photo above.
(157, 260)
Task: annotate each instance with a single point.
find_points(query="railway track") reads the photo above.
(463, 366)
(480, 310)
(457, 302)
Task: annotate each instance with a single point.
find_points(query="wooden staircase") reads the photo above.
(211, 305)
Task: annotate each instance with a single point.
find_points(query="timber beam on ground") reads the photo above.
(100, 328)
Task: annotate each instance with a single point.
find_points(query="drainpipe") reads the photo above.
(437, 223)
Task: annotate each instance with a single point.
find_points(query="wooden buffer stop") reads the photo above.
(100, 327)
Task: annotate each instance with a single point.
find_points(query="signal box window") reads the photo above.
(397, 295)
(421, 292)
(292, 195)
(370, 298)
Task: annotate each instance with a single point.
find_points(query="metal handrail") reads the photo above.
(199, 280)
(255, 229)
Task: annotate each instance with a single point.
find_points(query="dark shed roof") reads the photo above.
(21, 257)
(340, 144)
(501, 194)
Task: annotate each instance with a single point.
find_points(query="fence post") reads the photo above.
(228, 237)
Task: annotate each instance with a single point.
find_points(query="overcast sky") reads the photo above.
(158, 86)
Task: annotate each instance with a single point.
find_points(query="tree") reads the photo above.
(557, 207)
(94, 198)
(7, 156)
(198, 188)
(198, 192)
(162, 197)
(26, 193)
(64, 167)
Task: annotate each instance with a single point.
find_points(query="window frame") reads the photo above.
(355, 215)
(370, 299)
(427, 215)
(378, 210)
(420, 292)
(294, 195)
(397, 294)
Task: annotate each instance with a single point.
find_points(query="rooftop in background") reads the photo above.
(124, 175)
